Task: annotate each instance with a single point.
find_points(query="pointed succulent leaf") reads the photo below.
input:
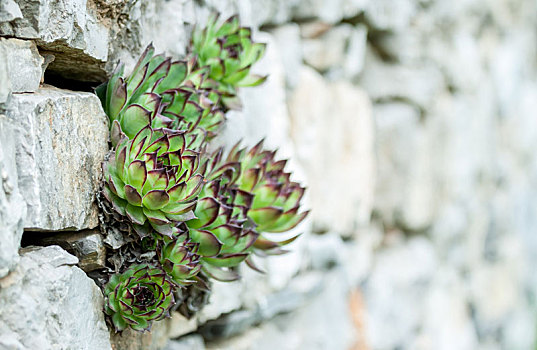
(134, 119)
(219, 274)
(228, 260)
(137, 174)
(155, 199)
(209, 245)
(207, 211)
(133, 196)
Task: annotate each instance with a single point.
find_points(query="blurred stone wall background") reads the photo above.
(413, 122)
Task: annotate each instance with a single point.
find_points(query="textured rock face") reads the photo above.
(49, 304)
(68, 29)
(23, 64)
(333, 130)
(65, 131)
(12, 204)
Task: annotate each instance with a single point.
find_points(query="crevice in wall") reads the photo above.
(86, 245)
(56, 80)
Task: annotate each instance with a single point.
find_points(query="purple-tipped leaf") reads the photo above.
(133, 196)
(265, 216)
(228, 260)
(287, 221)
(133, 119)
(137, 174)
(207, 211)
(209, 245)
(118, 99)
(220, 274)
(155, 199)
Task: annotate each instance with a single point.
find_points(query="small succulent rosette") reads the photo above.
(275, 207)
(161, 92)
(137, 297)
(229, 51)
(179, 259)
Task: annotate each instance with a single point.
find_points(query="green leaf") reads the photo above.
(137, 174)
(206, 211)
(133, 196)
(135, 214)
(229, 260)
(220, 274)
(155, 199)
(209, 245)
(134, 119)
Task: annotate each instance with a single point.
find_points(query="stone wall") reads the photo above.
(411, 121)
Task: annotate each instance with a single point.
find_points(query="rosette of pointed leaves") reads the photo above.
(137, 297)
(275, 206)
(220, 221)
(158, 92)
(193, 110)
(179, 259)
(230, 52)
(153, 180)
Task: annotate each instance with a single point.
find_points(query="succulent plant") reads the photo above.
(220, 213)
(230, 52)
(137, 297)
(179, 259)
(275, 207)
(161, 93)
(153, 180)
(197, 215)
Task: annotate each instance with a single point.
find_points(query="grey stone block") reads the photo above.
(60, 138)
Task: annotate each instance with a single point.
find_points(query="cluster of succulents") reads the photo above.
(190, 214)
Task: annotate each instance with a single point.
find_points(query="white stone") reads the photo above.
(418, 84)
(70, 29)
(327, 50)
(391, 15)
(287, 38)
(313, 326)
(190, 342)
(9, 11)
(332, 129)
(447, 322)
(5, 87)
(60, 139)
(331, 11)
(395, 290)
(23, 64)
(356, 52)
(12, 205)
(404, 148)
(48, 304)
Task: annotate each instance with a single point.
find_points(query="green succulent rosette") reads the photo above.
(224, 241)
(137, 297)
(153, 180)
(275, 207)
(229, 51)
(179, 259)
(161, 92)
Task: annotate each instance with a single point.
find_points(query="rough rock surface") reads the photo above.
(68, 29)
(12, 205)
(332, 127)
(47, 303)
(65, 131)
(24, 64)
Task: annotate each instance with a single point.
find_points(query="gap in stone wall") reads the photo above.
(86, 245)
(56, 80)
